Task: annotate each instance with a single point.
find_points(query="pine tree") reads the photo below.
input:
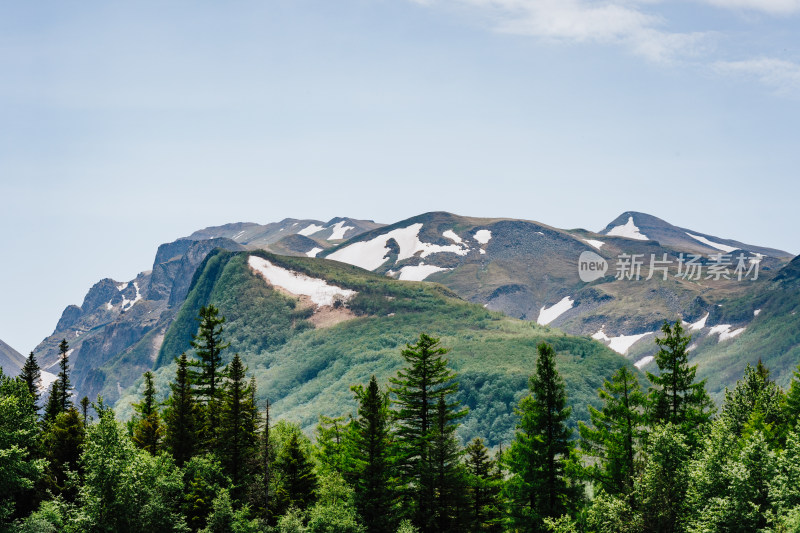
(298, 480)
(484, 483)
(374, 484)
(538, 487)
(417, 388)
(333, 444)
(791, 405)
(612, 440)
(64, 385)
(31, 374)
(754, 392)
(208, 377)
(60, 400)
(237, 429)
(148, 430)
(180, 415)
(448, 476)
(62, 442)
(675, 397)
(85, 410)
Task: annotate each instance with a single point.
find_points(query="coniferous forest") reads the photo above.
(656, 456)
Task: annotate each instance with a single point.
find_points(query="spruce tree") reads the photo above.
(207, 373)
(374, 483)
(450, 510)
(237, 431)
(754, 392)
(333, 445)
(60, 399)
(675, 397)
(180, 415)
(484, 483)
(791, 406)
(85, 410)
(612, 441)
(148, 430)
(31, 374)
(538, 487)
(62, 442)
(298, 480)
(417, 389)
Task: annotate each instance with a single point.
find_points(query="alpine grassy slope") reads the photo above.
(305, 357)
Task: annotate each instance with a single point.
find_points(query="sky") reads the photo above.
(127, 125)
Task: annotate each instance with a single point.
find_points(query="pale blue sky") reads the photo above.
(125, 125)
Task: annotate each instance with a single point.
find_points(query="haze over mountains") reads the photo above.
(524, 269)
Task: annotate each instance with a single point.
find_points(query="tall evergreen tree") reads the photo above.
(333, 444)
(64, 384)
(237, 429)
(180, 415)
(538, 487)
(62, 442)
(611, 442)
(207, 373)
(374, 483)
(148, 430)
(60, 399)
(298, 480)
(675, 397)
(417, 389)
(85, 410)
(791, 405)
(449, 477)
(754, 392)
(484, 483)
(31, 374)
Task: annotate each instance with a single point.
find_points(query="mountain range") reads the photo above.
(523, 270)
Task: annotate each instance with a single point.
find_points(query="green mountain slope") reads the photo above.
(305, 357)
(772, 335)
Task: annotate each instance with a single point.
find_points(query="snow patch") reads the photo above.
(601, 336)
(450, 234)
(238, 235)
(313, 252)
(719, 246)
(318, 290)
(419, 272)
(127, 304)
(756, 312)
(643, 361)
(628, 230)
(122, 287)
(623, 343)
(109, 306)
(373, 253)
(47, 379)
(339, 229)
(700, 324)
(548, 315)
(724, 331)
(483, 236)
(483, 252)
(596, 244)
(310, 230)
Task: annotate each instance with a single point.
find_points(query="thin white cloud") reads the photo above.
(773, 7)
(781, 75)
(617, 22)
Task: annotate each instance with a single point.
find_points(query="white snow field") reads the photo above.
(547, 315)
(725, 332)
(595, 243)
(318, 290)
(419, 272)
(339, 229)
(450, 234)
(643, 361)
(310, 230)
(483, 236)
(313, 252)
(620, 344)
(628, 230)
(719, 246)
(373, 253)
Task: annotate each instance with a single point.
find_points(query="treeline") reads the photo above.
(659, 458)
